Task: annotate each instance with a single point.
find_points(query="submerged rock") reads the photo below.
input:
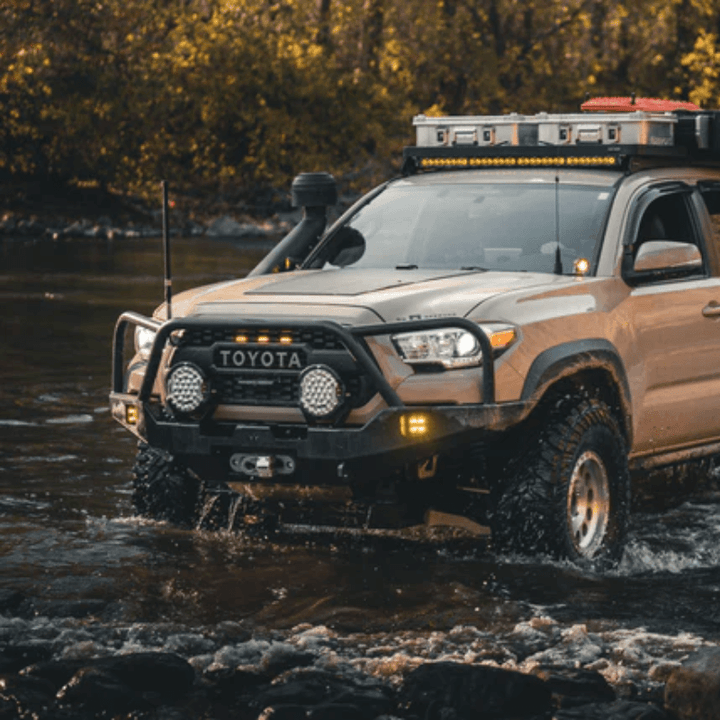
(468, 692)
(692, 690)
(618, 710)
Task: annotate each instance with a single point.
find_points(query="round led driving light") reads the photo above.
(321, 391)
(185, 388)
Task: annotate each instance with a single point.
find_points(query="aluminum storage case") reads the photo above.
(635, 128)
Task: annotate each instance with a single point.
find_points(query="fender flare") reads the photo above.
(567, 359)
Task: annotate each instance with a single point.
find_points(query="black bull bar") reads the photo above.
(381, 436)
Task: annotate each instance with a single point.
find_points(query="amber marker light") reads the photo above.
(241, 338)
(582, 265)
(502, 338)
(286, 339)
(414, 425)
(263, 338)
(131, 414)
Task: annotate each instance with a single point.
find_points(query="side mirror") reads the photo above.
(348, 247)
(657, 255)
(658, 259)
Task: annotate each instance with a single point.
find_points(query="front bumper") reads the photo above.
(384, 439)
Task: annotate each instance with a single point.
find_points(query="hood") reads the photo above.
(358, 296)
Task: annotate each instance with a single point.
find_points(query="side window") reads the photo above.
(668, 227)
(666, 218)
(712, 203)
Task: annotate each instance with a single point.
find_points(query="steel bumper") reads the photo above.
(387, 435)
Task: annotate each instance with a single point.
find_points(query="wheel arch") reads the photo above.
(592, 364)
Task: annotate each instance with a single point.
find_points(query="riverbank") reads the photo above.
(58, 213)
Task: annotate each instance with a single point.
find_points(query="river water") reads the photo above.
(94, 578)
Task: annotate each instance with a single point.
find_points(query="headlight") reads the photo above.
(451, 347)
(144, 338)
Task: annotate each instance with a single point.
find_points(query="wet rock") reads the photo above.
(8, 224)
(693, 690)
(77, 229)
(71, 608)
(283, 712)
(571, 687)
(166, 675)
(23, 695)
(29, 227)
(617, 710)
(14, 658)
(97, 689)
(163, 673)
(315, 689)
(335, 711)
(228, 227)
(283, 656)
(231, 686)
(10, 601)
(473, 691)
(55, 672)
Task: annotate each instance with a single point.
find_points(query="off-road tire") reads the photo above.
(577, 443)
(164, 489)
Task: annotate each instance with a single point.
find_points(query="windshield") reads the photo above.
(472, 226)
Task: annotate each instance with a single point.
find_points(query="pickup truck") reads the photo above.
(506, 336)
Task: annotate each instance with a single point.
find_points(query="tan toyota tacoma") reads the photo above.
(504, 335)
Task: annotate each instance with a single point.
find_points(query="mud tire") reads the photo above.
(164, 489)
(533, 512)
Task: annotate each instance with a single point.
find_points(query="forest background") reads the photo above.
(228, 98)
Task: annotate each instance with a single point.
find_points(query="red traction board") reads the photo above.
(633, 104)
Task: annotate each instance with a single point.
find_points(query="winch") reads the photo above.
(262, 466)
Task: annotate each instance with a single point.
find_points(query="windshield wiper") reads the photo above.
(406, 266)
(474, 267)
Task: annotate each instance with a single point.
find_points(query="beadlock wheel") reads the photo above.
(567, 492)
(588, 504)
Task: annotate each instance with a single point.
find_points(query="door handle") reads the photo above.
(712, 309)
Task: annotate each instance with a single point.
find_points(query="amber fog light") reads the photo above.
(186, 388)
(321, 391)
(414, 425)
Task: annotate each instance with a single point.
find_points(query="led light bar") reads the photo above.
(528, 161)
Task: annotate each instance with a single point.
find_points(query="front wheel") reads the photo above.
(568, 490)
(164, 489)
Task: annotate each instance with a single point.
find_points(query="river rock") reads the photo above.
(14, 658)
(693, 690)
(571, 687)
(469, 692)
(23, 695)
(617, 710)
(97, 690)
(317, 690)
(226, 226)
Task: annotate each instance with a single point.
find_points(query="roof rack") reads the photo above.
(598, 139)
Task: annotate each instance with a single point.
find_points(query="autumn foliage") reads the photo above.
(219, 94)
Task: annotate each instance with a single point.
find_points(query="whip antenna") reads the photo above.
(166, 248)
(558, 269)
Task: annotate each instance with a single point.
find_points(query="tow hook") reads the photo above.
(262, 466)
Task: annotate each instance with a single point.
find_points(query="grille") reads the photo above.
(316, 338)
(278, 387)
(273, 389)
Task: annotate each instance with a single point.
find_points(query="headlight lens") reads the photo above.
(144, 338)
(451, 347)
